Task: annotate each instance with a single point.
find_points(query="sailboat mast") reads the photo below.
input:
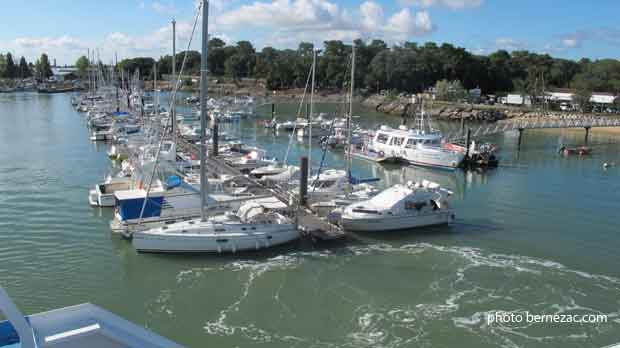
(350, 118)
(155, 93)
(174, 79)
(203, 110)
(311, 112)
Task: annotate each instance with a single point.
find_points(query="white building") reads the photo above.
(603, 98)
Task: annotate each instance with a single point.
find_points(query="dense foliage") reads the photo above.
(9, 69)
(408, 67)
(405, 68)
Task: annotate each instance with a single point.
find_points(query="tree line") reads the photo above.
(406, 67)
(9, 69)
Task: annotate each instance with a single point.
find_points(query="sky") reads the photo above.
(67, 29)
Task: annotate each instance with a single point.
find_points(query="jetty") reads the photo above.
(309, 223)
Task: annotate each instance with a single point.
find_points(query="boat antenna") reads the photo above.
(203, 109)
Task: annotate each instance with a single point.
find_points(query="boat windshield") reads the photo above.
(382, 138)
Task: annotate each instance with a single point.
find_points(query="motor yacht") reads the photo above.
(400, 207)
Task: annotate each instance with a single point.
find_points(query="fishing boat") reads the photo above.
(252, 227)
(400, 207)
(84, 325)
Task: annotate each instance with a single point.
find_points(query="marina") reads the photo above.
(59, 215)
(220, 217)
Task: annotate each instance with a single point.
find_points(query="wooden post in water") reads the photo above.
(216, 145)
(520, 138)
(462, 124)
(273, 111)
(587, 133)
(303, 181)
(467, 141)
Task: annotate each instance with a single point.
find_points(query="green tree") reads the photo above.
(2, 65)
(43, 67)
(82, 65)
(10, 70)
(24, 68)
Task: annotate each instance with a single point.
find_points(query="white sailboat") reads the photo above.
(253, 227)
(400, 207)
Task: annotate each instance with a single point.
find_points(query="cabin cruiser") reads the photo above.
(400, 207)
(84, 325)
(250, 161)
(253, 227)
(416, 146)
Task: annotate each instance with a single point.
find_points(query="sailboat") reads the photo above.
(334, 189)
(253, 227)
(282, 172)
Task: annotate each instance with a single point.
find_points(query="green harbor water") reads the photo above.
(539, 234)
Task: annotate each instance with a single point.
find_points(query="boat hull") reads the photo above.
(212, 243)
(366, 224)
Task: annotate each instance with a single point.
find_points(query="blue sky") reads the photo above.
(66, 29)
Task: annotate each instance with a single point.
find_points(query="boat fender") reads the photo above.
(381, 154)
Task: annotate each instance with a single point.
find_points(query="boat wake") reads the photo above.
(322, 299)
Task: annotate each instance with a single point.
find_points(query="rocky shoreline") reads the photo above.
(402, 106)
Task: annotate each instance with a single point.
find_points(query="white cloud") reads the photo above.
(372, 15)
(453, 4)
(571, 42)
(63, 48)
(163, 8)
(509, 44)
(290, 21)
(405, 23)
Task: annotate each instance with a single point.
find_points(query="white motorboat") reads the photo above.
(417, 147)
(290, 173)
(84, 325)
(271, 169)
(250, 161)
(400, 207)
(103, 194)
(330, 184)
(251, 228)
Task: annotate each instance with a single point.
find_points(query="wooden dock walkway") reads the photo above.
(308, 222)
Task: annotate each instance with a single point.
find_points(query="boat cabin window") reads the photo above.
(325, 184)
(411, 143)
(382, 138)
(397, 141)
